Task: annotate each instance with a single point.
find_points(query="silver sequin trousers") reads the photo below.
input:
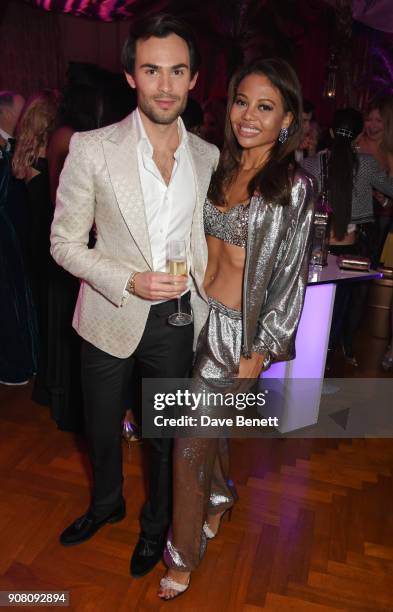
(201, 465)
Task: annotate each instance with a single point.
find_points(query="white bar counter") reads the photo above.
(301, 404)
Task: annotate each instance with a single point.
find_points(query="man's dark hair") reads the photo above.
(160, 26)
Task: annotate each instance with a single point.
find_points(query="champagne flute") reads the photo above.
(177, 257)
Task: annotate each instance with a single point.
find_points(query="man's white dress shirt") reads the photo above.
(169, 208)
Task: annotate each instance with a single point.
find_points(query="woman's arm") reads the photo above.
(378, 177)
(280, 314)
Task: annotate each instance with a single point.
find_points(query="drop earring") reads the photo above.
(283, 135)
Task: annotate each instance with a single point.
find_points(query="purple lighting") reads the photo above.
(312, 336)
(301, 405)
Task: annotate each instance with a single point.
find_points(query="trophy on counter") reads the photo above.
(320, 238)
(321, 227)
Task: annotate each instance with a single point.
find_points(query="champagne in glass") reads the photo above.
(178, 266)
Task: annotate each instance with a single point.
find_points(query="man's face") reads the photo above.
(162, 77)
(10, 114)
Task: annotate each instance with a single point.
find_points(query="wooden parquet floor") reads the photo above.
(312, 531)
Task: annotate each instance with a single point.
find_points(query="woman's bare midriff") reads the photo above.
(224, 272)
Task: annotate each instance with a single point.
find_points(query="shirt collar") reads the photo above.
(142, 137)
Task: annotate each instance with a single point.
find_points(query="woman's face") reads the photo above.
(373, 125)
(257, 114)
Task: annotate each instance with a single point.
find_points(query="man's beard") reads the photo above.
(162, 117)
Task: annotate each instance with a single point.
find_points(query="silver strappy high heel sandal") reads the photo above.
(209, 533)
(178, 587)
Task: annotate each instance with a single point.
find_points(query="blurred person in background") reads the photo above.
(377, 140)
(31, 165)
(18, 326)
(84, 106)
(346, 180)
(310, 133)
(11, 105)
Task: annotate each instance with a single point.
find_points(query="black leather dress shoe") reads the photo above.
(87, 525)
(146, 555)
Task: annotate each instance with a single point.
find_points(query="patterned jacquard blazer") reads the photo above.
(100, 185)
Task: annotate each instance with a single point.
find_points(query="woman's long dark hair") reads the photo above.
(342, 168)
(273, 180)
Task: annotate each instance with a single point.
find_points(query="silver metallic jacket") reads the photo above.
(276, 270)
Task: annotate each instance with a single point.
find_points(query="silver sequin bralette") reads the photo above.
(228, 225)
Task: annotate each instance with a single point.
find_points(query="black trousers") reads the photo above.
(163, 352)
(348, 305)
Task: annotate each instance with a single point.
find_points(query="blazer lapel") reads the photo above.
(202, 173)
(122, 163)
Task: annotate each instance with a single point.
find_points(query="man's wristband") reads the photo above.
(130, 287)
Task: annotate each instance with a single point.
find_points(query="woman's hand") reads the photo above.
(383, 200)
(251, 368)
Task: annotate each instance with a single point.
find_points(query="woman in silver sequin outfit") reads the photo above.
(258, 218)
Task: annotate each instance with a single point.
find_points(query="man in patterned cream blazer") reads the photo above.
(142, 182)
